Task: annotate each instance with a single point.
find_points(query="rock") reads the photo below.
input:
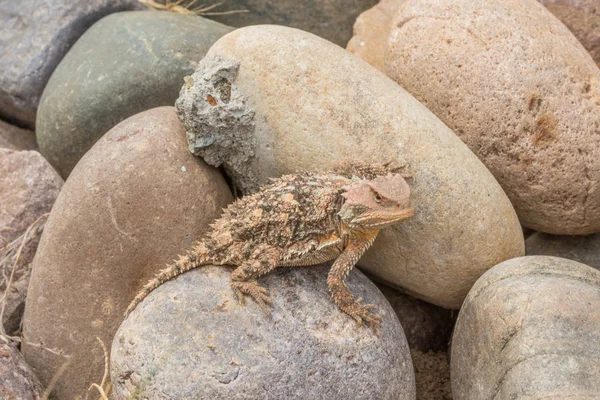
(427, 327)
(15, 138)
(136, 200)
(371, 31)
(29, 187)
(270, 100)
(582, 17)
(584, 249)
(34, 37)
(17, 381)
(330, 19)
(190, 338)
(126, 63)
(529, 330)
(534, 127)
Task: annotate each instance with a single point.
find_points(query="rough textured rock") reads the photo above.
(29, 187)
(534, 127)
(371, 31)
(17, 382)
(584, 249)
(330, 19)
(427, 327)
(190, 338)
(126, 63)
(529, 330)
(15, 138)
(582, 17)
(34, 37)
(270, 100)
(136, 200)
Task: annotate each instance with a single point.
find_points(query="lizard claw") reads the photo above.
(364, 312)
(257, 292)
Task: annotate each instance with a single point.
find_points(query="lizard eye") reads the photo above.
(378, 197)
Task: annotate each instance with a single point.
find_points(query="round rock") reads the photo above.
(34, 37)
(124, 64)
(29, 187)
(520, 90)
(190, 338)
(270, 100)
(584, 249)
(135, 201)
(529, 330)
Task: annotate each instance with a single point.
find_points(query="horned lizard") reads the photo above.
(299, 220)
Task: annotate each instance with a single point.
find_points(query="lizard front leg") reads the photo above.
(342, 296)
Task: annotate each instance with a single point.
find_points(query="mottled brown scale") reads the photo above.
(298, 220)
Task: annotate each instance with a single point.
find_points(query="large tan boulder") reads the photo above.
(520, 90)
(269, 100)
(529, 330)
(133, 202)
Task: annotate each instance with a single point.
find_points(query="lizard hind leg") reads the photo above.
(243, 278)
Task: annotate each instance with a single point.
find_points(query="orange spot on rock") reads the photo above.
(211, 100)
(545, 129)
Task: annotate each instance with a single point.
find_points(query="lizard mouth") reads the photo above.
(383, 218)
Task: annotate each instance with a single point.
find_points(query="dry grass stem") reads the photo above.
(187, 7)
(101, 388)
(11, 254)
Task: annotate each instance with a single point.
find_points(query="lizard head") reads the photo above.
(375, 204)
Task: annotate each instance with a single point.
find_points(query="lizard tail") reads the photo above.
(183, 264)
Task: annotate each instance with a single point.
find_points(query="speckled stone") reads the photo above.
(135, 201)
(17, 381)
(126, 63)
(191, 339)
(269, 100)
(34, 37)
(520, 90)
(529, 330)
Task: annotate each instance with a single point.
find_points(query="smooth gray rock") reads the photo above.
(330, 19)
(584, 249)
(191, 339)
(34, 37)
(529, 329)
(126, 63)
